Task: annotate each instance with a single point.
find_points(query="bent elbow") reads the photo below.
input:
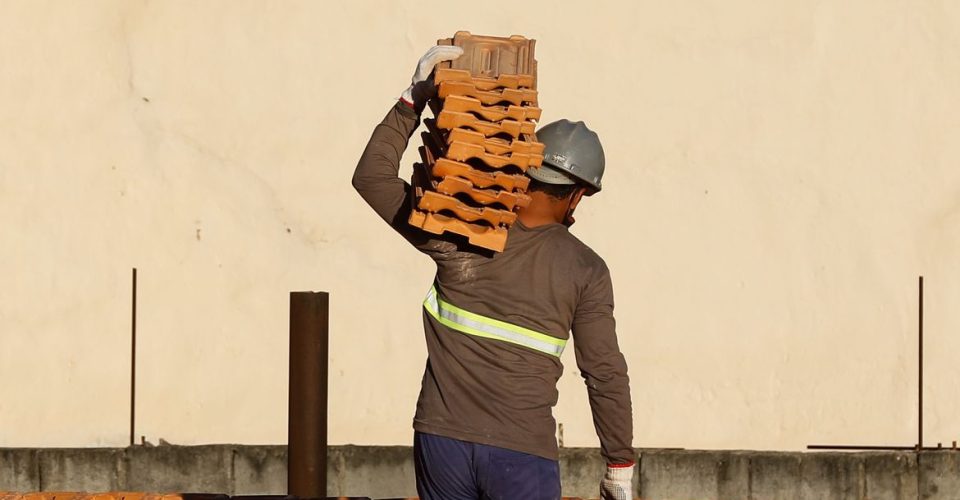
(359, 182)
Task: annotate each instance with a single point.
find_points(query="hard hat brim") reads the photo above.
(548, 174)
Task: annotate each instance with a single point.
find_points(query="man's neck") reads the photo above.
(541, 211)
(532, 219)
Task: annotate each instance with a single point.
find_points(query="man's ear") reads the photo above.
(576, 197)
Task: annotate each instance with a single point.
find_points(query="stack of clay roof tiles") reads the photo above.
(130, 495)
(112, 495)
(480, 142)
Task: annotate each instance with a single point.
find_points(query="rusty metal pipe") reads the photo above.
(307, 404)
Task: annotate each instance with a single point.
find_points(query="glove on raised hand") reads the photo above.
(617, 483)
(421, 85)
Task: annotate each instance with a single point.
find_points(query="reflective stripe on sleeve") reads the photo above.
(482, 326)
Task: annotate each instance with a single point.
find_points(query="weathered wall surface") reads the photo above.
(385, 472)
(778, 175)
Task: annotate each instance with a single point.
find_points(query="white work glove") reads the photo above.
(617, 484)
(421, 85)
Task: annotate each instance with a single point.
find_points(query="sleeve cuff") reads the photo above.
(406, 109)
(620, 472)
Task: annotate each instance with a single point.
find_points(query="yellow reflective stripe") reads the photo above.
(481, 326)
(502, 324)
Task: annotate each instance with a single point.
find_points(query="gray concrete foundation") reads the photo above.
(387, 472)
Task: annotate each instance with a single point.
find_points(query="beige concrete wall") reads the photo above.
(779, 174)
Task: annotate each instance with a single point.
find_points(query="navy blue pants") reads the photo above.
(449, 469)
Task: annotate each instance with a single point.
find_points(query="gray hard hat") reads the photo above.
(573, 153)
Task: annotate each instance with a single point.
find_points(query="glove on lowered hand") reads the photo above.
(421, 85)
(617, 483)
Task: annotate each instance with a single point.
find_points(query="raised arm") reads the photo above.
(375, 177)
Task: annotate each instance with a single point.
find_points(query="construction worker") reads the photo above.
(496, 324)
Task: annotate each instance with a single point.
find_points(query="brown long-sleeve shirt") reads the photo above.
(490, 391)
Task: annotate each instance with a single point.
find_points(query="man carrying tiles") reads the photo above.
(496, 323)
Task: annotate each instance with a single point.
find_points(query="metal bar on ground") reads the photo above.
(859, 447)
(307, 405)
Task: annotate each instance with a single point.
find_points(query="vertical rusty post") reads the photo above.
(307, 418)
(133, 356)
(920, 369)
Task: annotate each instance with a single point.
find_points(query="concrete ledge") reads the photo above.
(581, 470)
(775, 476)
(186, 469)
(890, 476)
(716, 475)
(939, 473)
(81, 469)
(733, 475)
(260, 470)
(832, 476)
(388, 472)
(19, 469)
(671, 475)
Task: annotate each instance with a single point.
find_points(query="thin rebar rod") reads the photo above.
(864, 447)
(133, 356)
(920, 369)
(919, 446)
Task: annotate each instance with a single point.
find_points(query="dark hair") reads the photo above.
(558, 191)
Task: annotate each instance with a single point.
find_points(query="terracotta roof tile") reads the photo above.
(496, 145)
(453, 185)
(463, 151)
(482, 236)
(451, 120)
(464, 104)
(491, 56)
(481, 83)
(447, 167)
(435, 202)
(469, 89)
